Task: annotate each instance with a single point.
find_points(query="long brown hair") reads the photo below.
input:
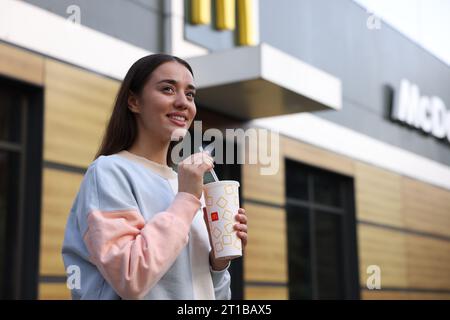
(121, 130)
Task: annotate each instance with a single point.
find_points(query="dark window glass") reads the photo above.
(327, 189)
(299, 255)
(3, 211)
(296, 181)
(9, 173)
(328, 246)
(10, 113)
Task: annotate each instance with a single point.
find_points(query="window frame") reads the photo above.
(349, 258)
(22, 243)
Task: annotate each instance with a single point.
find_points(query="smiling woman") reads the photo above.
(135, 230)
(149, 93)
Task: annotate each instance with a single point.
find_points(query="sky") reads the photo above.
(427, 22)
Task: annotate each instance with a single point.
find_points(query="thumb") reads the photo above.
(205, 218)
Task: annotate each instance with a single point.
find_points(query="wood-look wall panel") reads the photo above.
(266, 293)
(426, 208)
(386, 249)
(315, 156)
(54, 291)
(59, 192)
(21, 64)
(77, 107)
(402, 295)
(428, 262)
(265, 256)
(378, 195)
(262, 188)
(267, 188)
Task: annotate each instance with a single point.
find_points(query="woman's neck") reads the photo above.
(152, 150)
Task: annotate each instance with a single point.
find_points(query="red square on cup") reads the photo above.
(214, 216)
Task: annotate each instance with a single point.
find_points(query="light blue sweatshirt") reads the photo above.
(132, 235)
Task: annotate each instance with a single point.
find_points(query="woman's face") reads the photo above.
(166, 108)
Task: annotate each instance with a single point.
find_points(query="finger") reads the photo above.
(243, 236)
(205, 217)
(241, 227)
(199, 160)
(205, 167)
(241, 218)
(209, 161)
(241, 211)
(204, 156)
(196, 158)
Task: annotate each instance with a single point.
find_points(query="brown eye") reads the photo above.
(168, 89)
(191, 94)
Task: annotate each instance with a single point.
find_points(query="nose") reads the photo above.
(181, 102)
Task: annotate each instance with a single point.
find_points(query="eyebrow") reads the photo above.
(174, 82)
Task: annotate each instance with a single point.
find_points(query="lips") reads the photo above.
(178, 119)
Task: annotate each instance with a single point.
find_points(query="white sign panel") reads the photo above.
(428, 114)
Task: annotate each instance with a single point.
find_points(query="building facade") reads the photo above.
(360, 204)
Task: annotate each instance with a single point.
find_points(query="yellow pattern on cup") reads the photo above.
(226, 239)
(222, 202)
(228, 189)
(227, 215)
(217, 233)
(237, 243)
(218, 246)
(229, 228)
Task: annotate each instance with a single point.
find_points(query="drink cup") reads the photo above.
(222, 205)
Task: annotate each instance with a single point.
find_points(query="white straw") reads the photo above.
(212, 170)
(214, 175)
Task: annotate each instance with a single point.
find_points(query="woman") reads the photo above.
(136, 230)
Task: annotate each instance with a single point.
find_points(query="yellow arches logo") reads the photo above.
(227, 17)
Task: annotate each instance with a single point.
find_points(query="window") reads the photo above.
(321, 230)
(20, 180)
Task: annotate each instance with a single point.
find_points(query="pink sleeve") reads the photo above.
(133, 255)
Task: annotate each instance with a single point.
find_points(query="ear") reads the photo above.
(133, 103)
